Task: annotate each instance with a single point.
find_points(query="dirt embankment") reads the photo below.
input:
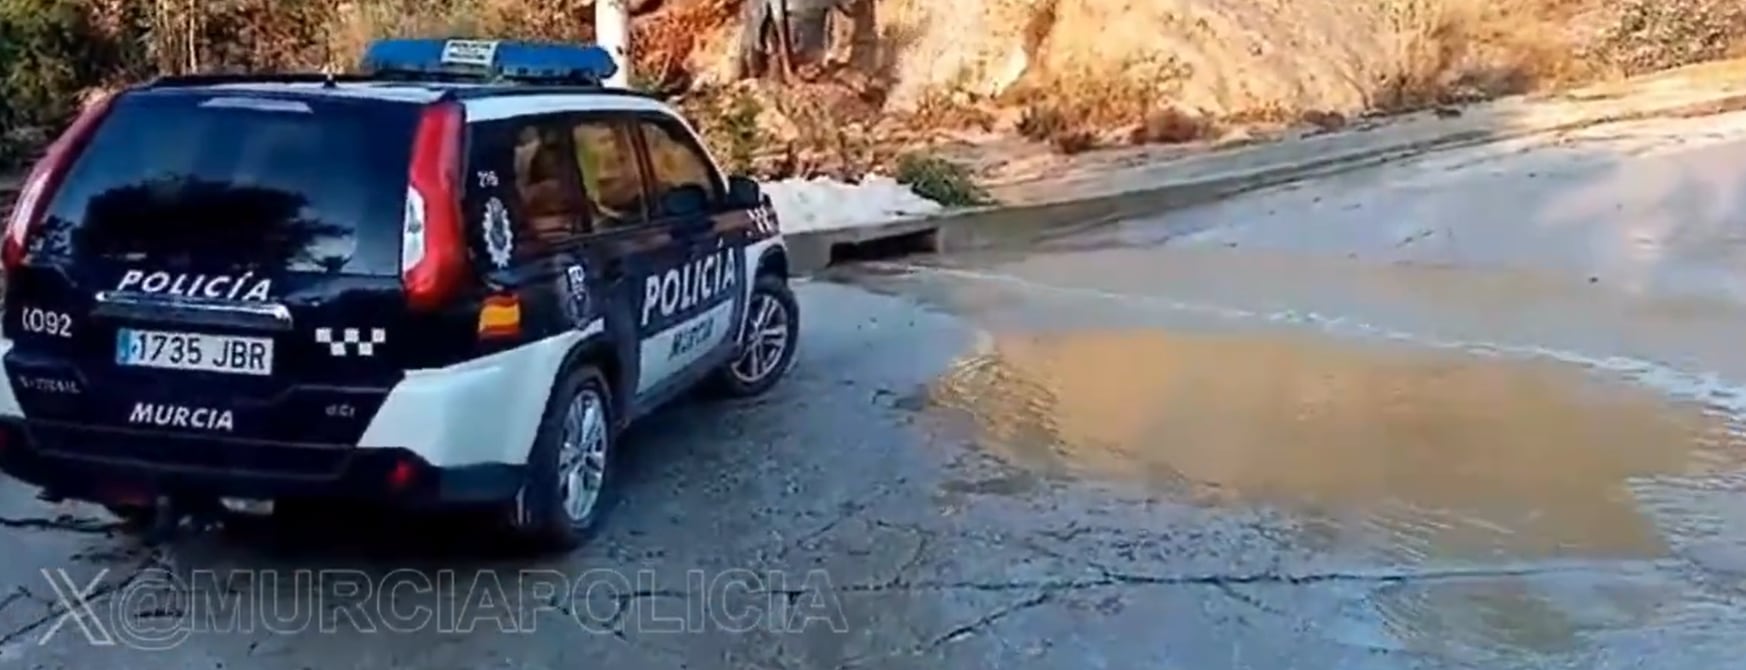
(1079, 74)
(1072, 75)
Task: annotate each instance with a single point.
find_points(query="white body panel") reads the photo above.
(654, 353)
(9, 407)
(482, 411)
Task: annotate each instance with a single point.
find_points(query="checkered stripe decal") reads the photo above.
(351, 340)
(764, 221)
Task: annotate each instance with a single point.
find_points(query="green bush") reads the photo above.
(728, 119)
(50, 52)
(741, 133)
(39, 65)
(941, 181)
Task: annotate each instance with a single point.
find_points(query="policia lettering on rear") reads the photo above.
(683, 288)
(246, 287)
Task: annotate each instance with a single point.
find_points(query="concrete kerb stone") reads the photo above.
(995, 227)
(990, 227)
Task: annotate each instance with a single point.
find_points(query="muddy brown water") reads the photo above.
(1402, 454)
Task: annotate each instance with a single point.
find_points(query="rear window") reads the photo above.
(239, 182)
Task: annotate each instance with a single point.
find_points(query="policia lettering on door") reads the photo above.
(681, 289)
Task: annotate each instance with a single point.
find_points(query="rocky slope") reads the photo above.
(1262, 58)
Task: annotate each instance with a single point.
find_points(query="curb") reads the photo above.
(997, 227)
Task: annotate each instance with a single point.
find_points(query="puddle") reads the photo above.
(1399, 454)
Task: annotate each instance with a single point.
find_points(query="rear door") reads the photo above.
(525, 220)
(220, 264)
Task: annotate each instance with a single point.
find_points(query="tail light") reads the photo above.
(433, 257)
(45, 177)
(402, 476)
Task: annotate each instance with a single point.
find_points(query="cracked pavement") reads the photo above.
(875, 512)
(1117, 452)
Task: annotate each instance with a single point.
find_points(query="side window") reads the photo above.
(676, 160)
(514, 206)
(550, 203)
(607, 159)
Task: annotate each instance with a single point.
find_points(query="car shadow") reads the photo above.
(366, 537)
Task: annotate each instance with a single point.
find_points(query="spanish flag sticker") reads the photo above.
(500, 316)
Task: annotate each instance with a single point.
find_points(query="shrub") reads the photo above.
(41, 45)
(940, 180)
(1172, 126)
(51, 51)
(728, 120)
(1070, 109)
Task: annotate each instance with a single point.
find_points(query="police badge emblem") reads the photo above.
(499, 236)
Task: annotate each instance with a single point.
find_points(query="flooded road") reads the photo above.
(1396, 455)
(1460, 468)
(1105, 455)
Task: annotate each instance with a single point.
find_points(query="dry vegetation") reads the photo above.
(1083, 74)
(1167, 71)
(1075, 74)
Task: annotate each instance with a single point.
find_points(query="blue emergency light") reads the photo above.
(490, 60)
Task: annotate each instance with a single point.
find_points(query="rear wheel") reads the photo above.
(767, 346)
(569, 474)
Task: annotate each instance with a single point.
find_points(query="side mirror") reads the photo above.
(684, 200)
(744, 193)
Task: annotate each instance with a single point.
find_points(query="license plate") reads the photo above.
(194, 351)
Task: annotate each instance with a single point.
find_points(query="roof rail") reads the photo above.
(488, 61)
(172, 81)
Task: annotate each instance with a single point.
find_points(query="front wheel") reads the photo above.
(767, 345)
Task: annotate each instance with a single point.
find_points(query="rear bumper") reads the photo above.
(108, 465)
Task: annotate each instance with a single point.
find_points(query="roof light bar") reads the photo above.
(531, 62)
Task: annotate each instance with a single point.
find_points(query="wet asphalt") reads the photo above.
(1122, 457)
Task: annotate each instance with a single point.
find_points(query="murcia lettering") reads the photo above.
(217, 287)
(689, 285)
(176, 416)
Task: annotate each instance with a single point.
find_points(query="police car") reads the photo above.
(453, 278)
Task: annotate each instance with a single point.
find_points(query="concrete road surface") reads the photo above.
(1178, 443)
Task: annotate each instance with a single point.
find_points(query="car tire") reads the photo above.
(756, 370)
(546, 513)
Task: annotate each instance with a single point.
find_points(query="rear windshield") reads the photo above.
(239, 182)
